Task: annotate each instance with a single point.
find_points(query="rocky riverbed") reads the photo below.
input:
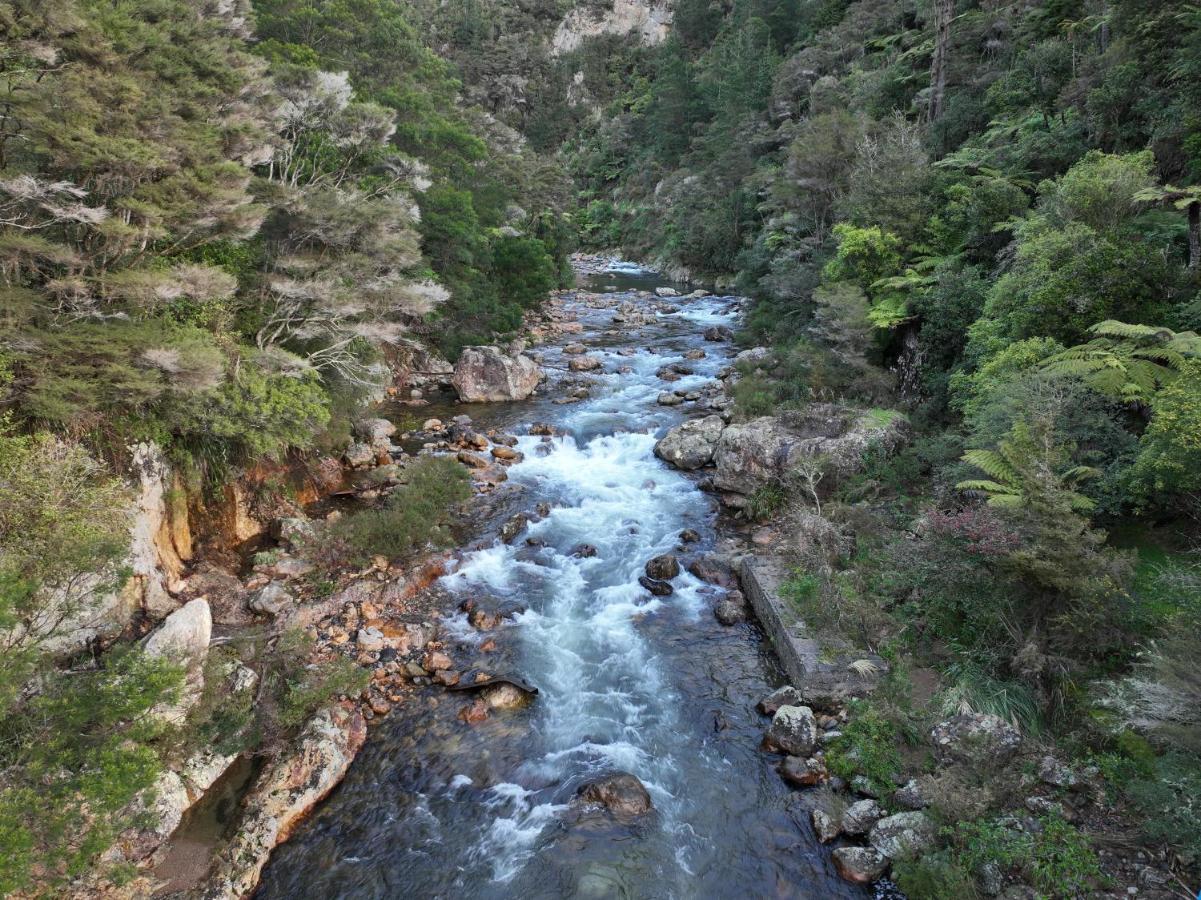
(597, 580)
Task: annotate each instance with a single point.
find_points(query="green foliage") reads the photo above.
(1056, 858)
(1128, 362)
(75, 755)
(1168, 467)
(868, 747)
(935, 876)
(414, 514)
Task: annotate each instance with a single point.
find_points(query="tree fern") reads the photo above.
(1126, 361)
(1021, 464)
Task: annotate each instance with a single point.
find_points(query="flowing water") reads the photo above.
(654, 686)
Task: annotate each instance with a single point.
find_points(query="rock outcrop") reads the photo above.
(980, 740)
(283, 794)
(488, 374)
(771, 448)
(650, 20)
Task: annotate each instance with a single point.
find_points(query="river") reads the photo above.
(435, 808)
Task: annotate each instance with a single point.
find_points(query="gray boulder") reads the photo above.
(903, 835)
(376, 432)
(860, 816)
(793, 730)
(488, 374)
(271, 600)
(785, 696)
(860, 865)
(691, 445)
(663, 567)
(979, 740)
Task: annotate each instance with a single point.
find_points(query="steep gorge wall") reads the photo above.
(650, 20)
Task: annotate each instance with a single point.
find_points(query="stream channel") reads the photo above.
(435, 808)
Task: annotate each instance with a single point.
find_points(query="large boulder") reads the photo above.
(621, 793)
(793, 730)
(183, 638)
(487, 374)
(691, 445)
(903, 835)
(772, 448)
(980, 740)
(184, 635)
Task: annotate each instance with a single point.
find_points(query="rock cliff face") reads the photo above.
(650, 20)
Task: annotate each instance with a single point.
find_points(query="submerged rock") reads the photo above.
(621, 793)
(729, 613)
(487, 374)
(656, 587)
(663, 568)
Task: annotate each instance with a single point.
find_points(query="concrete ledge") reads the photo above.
(815, 662)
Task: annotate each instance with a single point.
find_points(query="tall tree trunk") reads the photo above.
(1194, 238)
(944, 11)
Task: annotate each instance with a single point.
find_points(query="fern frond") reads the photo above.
(993, 464)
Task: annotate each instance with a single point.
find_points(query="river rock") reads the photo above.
(513, 526)
(692, 444)
(793, 730)
(860, 816)
(663, 567)
(370, 640)
(471, 460)
(773, 448)
(909, 796)
(487, 374)
(583, 551)
(584, 363)
(718, 333)
(825, 826)
(860, 865)
(729, 613)
(505, 696)
(575, 348)
(754, 357)
(668, 398)
(709, 570)
(803, 772)
(903, 835)
(784, 696)
(621, 793)
(435, 661)
(979, 740)
(375, 432)
(666, 292)
(505, 454)
(690, 536)
(271, 600)
(656, 587)
(698, 353)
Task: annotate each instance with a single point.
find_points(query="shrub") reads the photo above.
(1055, 858)
(413, 515)
(868, 747)
(935, 876)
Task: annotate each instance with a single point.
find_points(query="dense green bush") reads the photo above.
(414, 514)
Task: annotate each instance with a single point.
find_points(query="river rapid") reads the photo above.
(435, 808)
